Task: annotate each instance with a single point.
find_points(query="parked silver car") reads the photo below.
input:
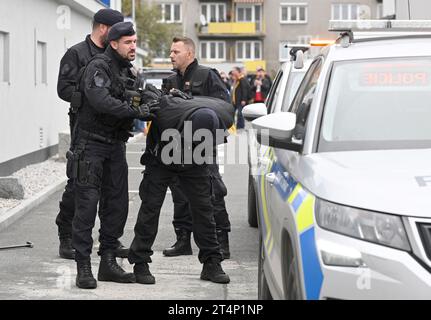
(284, 87)
(343, 188)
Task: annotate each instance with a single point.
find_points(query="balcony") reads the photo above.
(230, 29)
(252, 65)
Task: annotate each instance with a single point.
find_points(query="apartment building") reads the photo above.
(256, 32)
(298, 22)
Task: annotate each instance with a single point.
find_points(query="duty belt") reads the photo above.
(98, 137)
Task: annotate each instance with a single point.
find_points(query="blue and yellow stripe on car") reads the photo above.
(302, 203)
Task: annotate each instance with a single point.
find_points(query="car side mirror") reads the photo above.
(276, 130)
(254, 111)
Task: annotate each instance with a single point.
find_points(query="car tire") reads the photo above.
(251, 208)
(263, 292)
(292, 284)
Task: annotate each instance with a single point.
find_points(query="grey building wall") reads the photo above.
(319, 14)
(31, 114)
(413, 9)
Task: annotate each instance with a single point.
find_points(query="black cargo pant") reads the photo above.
(182, 215)
(67, 204)
(196, 185)
(102, 164)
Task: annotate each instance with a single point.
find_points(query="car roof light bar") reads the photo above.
(321, 42)
(379, 25)
(369, 30)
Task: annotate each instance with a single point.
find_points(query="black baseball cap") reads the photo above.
(108, 17)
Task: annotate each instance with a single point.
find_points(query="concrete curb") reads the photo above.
(10, 216)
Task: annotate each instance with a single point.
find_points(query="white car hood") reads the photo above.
(395, 181)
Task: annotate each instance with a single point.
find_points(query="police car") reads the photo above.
(284, 87)
(154, 76)
(344, 187)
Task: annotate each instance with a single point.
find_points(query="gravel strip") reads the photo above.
(35, 178)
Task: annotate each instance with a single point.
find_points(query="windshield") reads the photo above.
(295, 79)
(378, 104)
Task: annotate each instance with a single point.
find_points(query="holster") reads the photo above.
(79, 169)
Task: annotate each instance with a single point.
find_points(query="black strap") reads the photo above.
(97, 137)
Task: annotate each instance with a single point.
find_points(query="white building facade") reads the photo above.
(34, 36)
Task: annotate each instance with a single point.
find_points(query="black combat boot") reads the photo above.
(121, 251)
(223, 240)
(212, 271)
(143, 274)
(182, 247)
(109, 270)
(84, 278)
(66, 250)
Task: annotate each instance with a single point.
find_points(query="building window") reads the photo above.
(294, 13)
(171, 12)
(41, 63)
(244, 14)
(248, 50)
(214, 12)
(213, 50)
(345, 11)
(4, 57)
(249, 13)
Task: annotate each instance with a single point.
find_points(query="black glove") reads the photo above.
(180, 94)
(150, 93)
(148, 111)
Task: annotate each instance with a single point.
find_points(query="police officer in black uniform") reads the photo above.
(197, 80)
(72, 62)
(102, 128)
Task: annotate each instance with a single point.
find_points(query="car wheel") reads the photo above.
(263, 292)
(252, 212)
(292, 287)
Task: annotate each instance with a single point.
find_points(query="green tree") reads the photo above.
(153, 36)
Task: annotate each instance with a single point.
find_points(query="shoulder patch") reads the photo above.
(65, 69)
(100, 80)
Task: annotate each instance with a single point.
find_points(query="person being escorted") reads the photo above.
(177, 110)
(196, 80)
(72, 62)
(104, 121)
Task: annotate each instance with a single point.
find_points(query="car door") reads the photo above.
(258, 161)
(280, 184)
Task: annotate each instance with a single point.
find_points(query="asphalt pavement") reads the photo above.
(39, 273)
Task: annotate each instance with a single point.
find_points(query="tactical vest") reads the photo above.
(101, 123)
(195, 85)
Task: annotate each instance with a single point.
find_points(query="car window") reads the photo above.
(378, 104)
(154, 77)
(307, 88)
(271, 100)
(292, 86)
